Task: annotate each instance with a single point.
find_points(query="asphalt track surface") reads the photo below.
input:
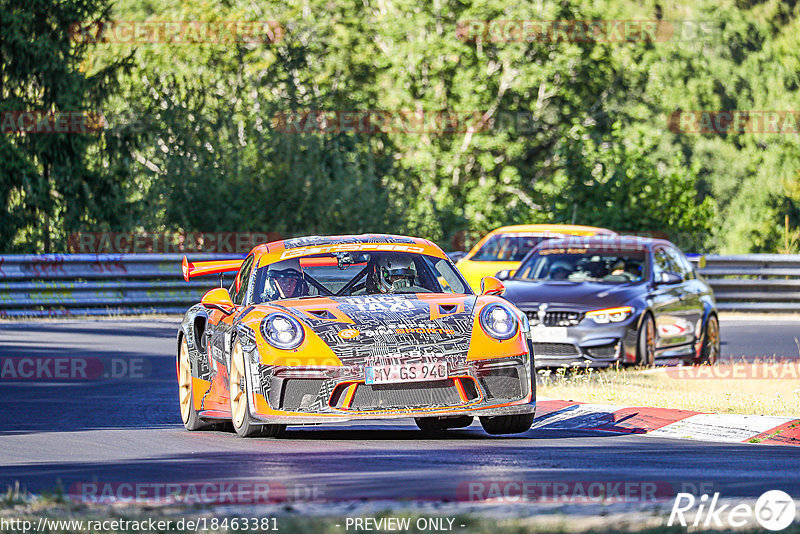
(127, 430)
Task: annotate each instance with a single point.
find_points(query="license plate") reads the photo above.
(410, 372)
(549, 333)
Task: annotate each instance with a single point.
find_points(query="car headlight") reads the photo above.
(499, 321)
(610, 315)
(282, 331)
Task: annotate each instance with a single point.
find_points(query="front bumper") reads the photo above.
(586, 344)
(491, 387)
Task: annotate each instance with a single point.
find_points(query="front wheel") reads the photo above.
(646, 343)
(507, 424)
(710, 349)
(240, 409)
(191, 421)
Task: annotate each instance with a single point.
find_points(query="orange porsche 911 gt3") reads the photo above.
(330, 329)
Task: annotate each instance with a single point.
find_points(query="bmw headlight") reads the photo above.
(282, 331)
(499, 321)
(610, 315)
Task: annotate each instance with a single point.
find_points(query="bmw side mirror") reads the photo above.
(669, 278)
(218, 299)
(492, 286)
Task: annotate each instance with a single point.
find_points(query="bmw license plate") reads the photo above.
(410, 372)
(549, 334)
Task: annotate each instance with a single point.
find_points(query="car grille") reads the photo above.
(411, 395)
(501, 383)
(555, 318)
(555, 350)
(299, 393)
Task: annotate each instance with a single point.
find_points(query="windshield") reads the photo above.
(582, 265)
(508, 247)
(346, 273)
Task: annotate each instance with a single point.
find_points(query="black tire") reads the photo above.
(272, 431)
(191, 421)
(507, 424)
(436, 424)
(646, 342)
(710, 349)
(241, 417)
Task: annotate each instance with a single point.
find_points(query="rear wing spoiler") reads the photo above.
(202, 268)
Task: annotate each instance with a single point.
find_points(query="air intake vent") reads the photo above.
(411, 395)
(299, 394)
(502, 383)
(322, 314)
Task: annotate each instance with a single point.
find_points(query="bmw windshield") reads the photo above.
(585, 265)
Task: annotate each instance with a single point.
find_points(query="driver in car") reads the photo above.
(559, 270)
(394, 273)
(285, 280)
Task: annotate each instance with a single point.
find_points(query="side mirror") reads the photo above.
(492, 286)
(218, 299)
(668, 279)
(505, 274)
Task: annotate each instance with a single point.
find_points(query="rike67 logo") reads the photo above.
(774, 510)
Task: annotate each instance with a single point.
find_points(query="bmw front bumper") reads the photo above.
(586, 344)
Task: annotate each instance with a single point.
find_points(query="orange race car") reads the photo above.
(330, 329)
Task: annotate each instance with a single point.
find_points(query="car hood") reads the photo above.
(579, 296)
(379, 329)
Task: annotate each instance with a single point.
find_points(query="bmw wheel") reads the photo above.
(710, 349)
(646, 344)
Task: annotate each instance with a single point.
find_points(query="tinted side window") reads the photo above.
(240, 284)
(661, 262)
(686, 265)
(684, 268)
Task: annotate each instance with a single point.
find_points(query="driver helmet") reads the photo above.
(559, 270)
(285, 279)
(394, 271)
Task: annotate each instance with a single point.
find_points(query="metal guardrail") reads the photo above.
(99, 284)
(126, 284)
(755, 282)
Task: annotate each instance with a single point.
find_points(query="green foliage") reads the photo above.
(54, 183)
(571, 132)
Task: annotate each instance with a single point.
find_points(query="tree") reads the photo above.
(53, 183)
